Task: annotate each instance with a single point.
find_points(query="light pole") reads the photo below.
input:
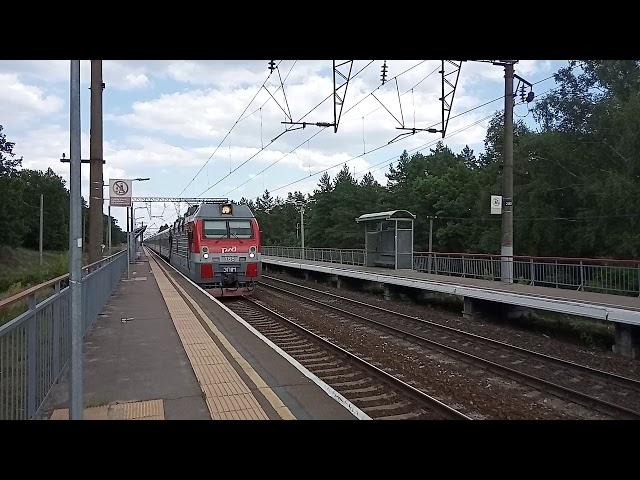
(129, 233)
(109, 233)
(300, 204)
(133, 228)
(76, 409)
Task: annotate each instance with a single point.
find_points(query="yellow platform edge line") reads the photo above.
(281, 409)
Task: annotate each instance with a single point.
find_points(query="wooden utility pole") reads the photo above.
(96, 227)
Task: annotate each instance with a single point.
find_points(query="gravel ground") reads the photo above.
(475, 391)
(592, 357)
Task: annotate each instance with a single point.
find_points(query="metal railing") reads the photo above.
(345, 256)
(619, 277)
(35, 346)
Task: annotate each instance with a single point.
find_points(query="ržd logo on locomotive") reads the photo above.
(233, 249)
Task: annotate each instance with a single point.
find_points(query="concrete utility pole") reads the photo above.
(96, 202)
(75, 248)
(302, 228)
(507, 178)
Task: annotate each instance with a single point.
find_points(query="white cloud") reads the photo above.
(136, 80)
(191, 114)
(22, 103)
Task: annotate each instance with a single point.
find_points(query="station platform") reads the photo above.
(163, 349)
(614, 308)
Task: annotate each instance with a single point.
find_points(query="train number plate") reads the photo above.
(229, 258)
(229, 269)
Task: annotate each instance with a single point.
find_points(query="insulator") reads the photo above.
(384, 72)
(272, 65)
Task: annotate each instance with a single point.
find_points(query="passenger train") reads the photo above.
(216, 244)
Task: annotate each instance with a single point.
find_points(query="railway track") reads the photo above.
(610, 394)
(376, 392)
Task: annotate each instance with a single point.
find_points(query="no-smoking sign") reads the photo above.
(119, 192)
(496, 204)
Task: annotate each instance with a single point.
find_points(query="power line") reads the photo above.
(541, 219)
(329, 168)
(317, 133)
(272, 164)
(371, 151)
(228, 133)
(494, 100)
(272, 141)
(418, 148)
(348, 110)
(359, 156)
(432, 142)
(404, 93)
(393, 78)
(269, 99)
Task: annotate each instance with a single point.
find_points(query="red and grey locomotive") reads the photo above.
(215, 244)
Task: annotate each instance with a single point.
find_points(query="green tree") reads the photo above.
(11, 192)
(56, 209)
(8, 162)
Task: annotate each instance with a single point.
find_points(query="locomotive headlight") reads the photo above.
(251, 255)
(252, 252)
(205, 252)
(205, 255)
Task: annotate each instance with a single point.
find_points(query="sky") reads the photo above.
(167, 119)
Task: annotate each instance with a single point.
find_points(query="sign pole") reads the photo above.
(120, 196)
(128, 245)
(109, 237)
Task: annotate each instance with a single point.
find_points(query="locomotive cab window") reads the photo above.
(215, 228)
(240, 229)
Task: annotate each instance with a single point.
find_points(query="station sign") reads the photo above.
(119, 192)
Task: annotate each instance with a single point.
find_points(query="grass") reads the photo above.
(586, 332)
(20, 268)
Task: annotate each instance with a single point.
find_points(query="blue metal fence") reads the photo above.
(35, 347)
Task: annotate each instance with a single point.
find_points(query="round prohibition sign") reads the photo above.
(120, 188)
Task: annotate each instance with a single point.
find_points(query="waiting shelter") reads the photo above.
(388, 240)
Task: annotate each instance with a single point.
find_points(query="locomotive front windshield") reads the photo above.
(227, 229)
(240, 228)
(215, 229)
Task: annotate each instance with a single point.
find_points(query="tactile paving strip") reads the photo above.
(144, 410)
(226, 394)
